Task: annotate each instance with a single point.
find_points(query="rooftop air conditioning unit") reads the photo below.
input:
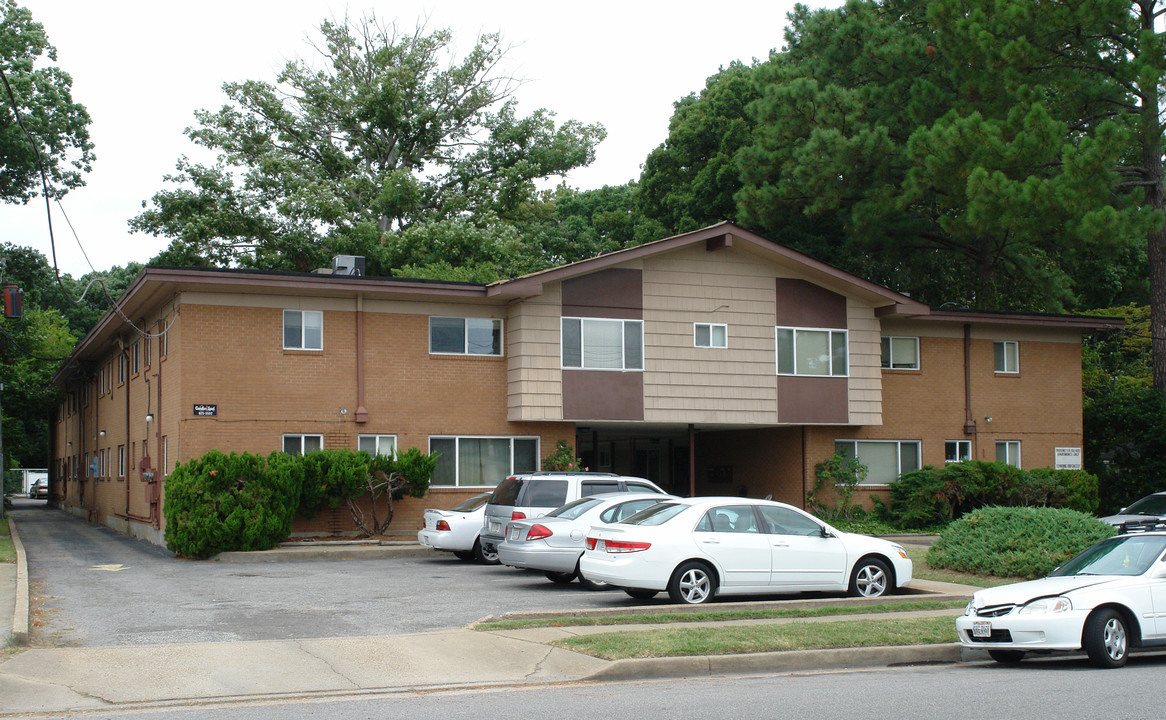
(348, 265)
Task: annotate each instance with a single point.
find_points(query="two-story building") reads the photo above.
(714, 362)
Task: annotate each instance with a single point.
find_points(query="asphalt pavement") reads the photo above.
(126, 677)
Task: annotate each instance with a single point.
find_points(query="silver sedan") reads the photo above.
(554, 542)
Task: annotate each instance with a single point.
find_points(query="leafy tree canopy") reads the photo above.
(392, 134)
(43, 99)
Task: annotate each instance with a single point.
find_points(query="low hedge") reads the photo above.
(933, 496)
(231, 502)
(1024, 542)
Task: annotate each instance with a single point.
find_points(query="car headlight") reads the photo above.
(1047, 605)
(899, 549)
(971, 608)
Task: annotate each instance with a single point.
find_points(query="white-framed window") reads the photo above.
(885, 460)
(1007, 356)
(602, 344)
(809, 351)
(465, 336)
(303, 330)
(121, 461)
(957, 450)
(137, 355)
(1008, 451)
(480, 460)
(377, 444)
(710, 335)
(121, 368)
(302, 444)
(900, 353)
(165, 455)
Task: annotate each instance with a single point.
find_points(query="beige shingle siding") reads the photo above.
(865, 387)
(534, 376)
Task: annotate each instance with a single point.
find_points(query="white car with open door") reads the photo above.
(700, 548)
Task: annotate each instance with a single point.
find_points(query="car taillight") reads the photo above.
(442, 525)
(516, 515)
(538, 532)
(626, 546)
(590, 543)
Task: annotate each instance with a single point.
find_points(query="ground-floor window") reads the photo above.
(885, 460)
(1008, 451)
(468, 460)
(302, 444)
(377, 444)
(957, 450)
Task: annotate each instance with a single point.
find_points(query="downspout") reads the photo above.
(969, 421)
(361, 415)
(805, 478)
(127, 446)
(156, 482)
(81, 447)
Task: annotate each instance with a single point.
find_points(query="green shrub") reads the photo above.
(330, 478)
(919, 499)
(841, 475)
(1026, 542)
(218, 503)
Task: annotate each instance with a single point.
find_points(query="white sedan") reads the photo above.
(1105, 601)
(554, 542)
(699, 548)
(456, 530)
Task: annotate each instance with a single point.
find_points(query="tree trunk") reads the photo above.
(1151, 132)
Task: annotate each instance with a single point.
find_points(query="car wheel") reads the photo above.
(561, 578)
(871, 578)
(639, 594)
(466, 555)
(1006, 656)
(484, 556)
(1106, 639)
(692, 583)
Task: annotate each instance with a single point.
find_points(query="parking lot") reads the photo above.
(91, 586)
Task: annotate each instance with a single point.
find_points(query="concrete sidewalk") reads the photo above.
(59, 680)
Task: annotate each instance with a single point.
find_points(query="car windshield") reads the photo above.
(655, 515)
(473, 503)
(572, 510)
(1150, 505)
(1121, 555)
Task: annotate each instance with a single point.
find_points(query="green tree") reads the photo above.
(689, 181)
(43, 99)
(30, 353)
(390, 134)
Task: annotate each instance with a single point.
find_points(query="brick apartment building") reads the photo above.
(714, 362)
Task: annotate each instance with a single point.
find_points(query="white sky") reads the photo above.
(141, 68)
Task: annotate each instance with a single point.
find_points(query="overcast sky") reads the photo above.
(142, 67)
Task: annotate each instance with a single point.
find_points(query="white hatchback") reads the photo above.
(699, 548)
(1107, 600)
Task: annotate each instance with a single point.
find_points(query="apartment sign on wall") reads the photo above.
(204, 409)
(1067, 458)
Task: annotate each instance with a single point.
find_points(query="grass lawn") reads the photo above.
(7, 549)
(736, 639)
(923, 571)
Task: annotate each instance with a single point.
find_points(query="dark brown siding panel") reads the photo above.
(804, 304)
(812, 400)
(600, 395)
(614, 293)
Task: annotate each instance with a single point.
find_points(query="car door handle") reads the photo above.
(711, 542)
(780, 544)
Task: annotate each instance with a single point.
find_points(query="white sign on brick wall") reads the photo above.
(1067, 458)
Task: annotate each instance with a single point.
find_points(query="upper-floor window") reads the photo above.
(602, 344)
(901, 353)
(885, 460)
(1007, 356)
(802, 351)
(137, 357)
(465, 336)
(957, 450)
(710, 335)
(302, 444)
(303, 330)
(121, 367)
(146, 342)
(377, 444)
(1008, 451)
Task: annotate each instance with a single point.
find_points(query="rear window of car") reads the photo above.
(473, 503)
(572, 510)
(542, 493)
(507, 491)
(656, 515)
(617, 513)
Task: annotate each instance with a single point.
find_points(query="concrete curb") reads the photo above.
(776, 662)
(20, 613)
(326, 552)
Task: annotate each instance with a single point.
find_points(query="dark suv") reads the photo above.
(535, 494)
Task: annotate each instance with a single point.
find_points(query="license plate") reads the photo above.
(514, 533)
(981, 629)
(495, 527)
(600, 546)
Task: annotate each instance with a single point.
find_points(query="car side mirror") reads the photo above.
(826, 533)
